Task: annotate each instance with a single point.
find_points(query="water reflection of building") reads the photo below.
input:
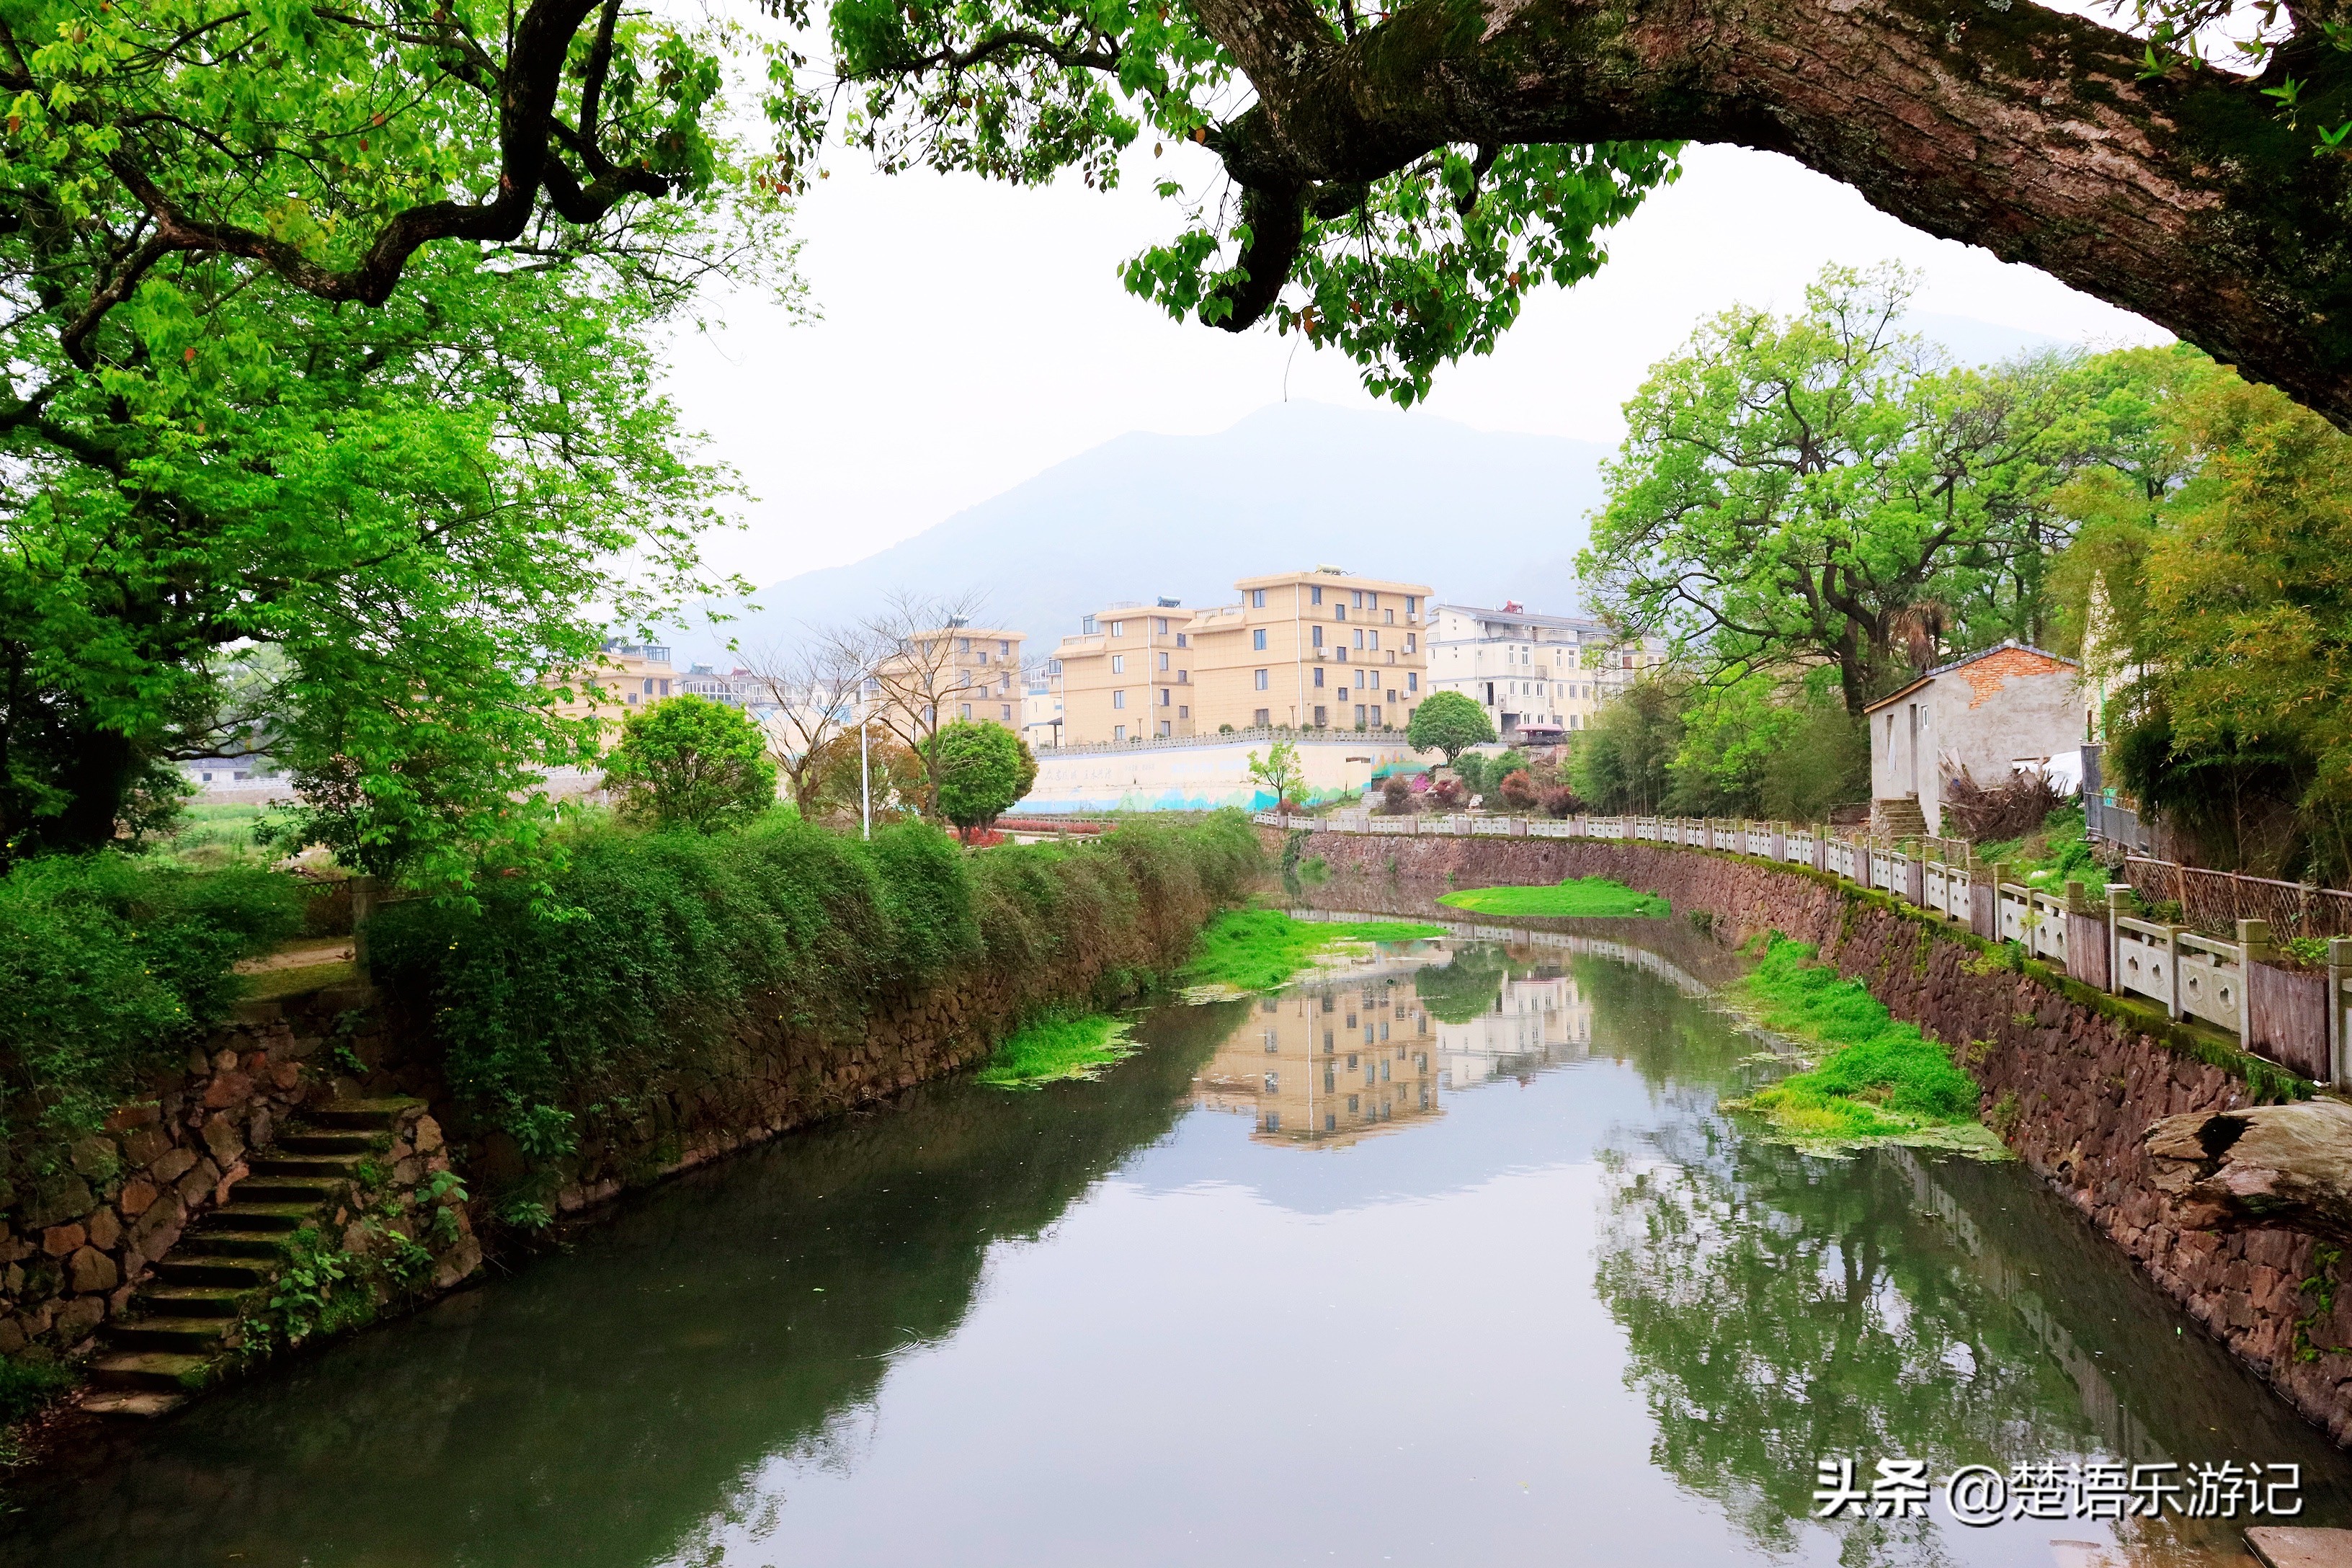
(1327, 1061)
(1532, 1023)
(1334, 1059)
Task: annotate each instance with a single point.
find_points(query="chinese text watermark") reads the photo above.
(1982, 1495)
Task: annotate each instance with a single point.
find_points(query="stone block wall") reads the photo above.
(77, 1244)
(2070, 1084)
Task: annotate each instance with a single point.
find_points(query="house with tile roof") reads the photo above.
(1987, 716)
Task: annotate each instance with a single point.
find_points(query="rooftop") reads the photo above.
(2004, 647)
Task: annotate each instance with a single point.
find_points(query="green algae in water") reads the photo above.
(1881, 1080)
(1589, 897)
(1243, 950)
(1058, 1051)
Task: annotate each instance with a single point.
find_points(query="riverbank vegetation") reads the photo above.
(551, 1011)
(1058, 1051)
(1578, 897)
(1880, 1079)
(1256, 950)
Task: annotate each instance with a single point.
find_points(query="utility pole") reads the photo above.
(865, 771)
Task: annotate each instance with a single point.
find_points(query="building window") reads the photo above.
(1274, 1120)
(1413, 680)
(1086, 625)
(1166, 696)
(1184, 678)
(1184, 640)
(1338, 611)
(1376, 715)
(1262, 718)
(1359, 639)
(1118, 699)
(1412, 604)
(1359, 715)
(1314, 636)
(1160, 624)
(1412, 644)
(967, 711)
(1357, 599)
(1166, 729)
(1314, 596)
(1182, 712)
(1257, 640)
(1163, 661)
(1259, 677)
(1258, 598)
(1007, 708)
(1375, 644)
(1319, 675)
(1119, 664)
(1273, 1082)
(1321, 721)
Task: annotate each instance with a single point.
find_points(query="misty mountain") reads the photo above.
(1479, 515)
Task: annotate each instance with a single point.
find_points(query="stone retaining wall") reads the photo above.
(2069, 1083)
(74, 1247)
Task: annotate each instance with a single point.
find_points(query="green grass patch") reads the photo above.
(1256, 950)
(1058, 1051)
(1882, 1081)
(1580, 896)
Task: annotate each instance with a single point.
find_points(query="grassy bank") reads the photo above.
(1058, 1051)
(1253, 950)
(1596, 897)
(1879, 1079)
(652, 949)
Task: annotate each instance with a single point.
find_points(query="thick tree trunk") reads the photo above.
(2183, 198)
(2276, 1165)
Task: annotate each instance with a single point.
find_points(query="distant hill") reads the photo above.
(1479, 515)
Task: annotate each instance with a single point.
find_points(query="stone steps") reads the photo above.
(176, 1338)
(1897, 817)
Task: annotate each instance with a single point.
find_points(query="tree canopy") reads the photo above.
(1450, 723)
(688, 762)
(980, 771)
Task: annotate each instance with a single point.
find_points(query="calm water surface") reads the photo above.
(1450, 1259)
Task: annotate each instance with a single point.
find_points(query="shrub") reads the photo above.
(984, 769)
(1518, 790)
(1561, 802)
(1448, 794)
(690, 763)
(108, 967)
(649, 950)
(1396, 795)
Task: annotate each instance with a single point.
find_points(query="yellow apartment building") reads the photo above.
(1317, 649)
(623, 677)
(1127, 675)
(955, 672)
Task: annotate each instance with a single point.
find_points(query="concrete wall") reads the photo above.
(1203, 774)
(2069, 1085)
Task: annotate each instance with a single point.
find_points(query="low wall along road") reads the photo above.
(2071, 1076)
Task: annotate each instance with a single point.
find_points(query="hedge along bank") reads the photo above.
(671, 996)
(2070, 1077)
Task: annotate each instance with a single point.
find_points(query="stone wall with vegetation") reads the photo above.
(79, 1240)
(2071, 1079)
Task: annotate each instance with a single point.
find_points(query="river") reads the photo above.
(1450, 1257)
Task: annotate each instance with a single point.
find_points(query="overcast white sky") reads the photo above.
(974, 334)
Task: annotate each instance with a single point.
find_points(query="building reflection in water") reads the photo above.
(1377, 1046)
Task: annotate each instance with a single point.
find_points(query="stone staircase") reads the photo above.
(182, 1329)
(1899, 818)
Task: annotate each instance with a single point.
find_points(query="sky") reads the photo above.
(971, 334)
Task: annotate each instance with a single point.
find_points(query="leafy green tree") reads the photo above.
(1622, 763)
(981, 769)
(1282, 772)
(2224, 629)
(1450, 723)
(257, 495)
(688, 762)
(1756, 746)
(1815, 490)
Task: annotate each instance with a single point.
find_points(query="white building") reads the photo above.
(1989, 715)
(1533, 1023)
(1538, 677)
(1041, 708)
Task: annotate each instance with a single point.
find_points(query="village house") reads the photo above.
(1987, 716)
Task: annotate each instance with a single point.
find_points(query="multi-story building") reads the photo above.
(1041, 708)
(1329, 1062)
(955, 672)
(1538, 677)
(1320, 650)
(734, 688)
(624, 675)
(1127, 674)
